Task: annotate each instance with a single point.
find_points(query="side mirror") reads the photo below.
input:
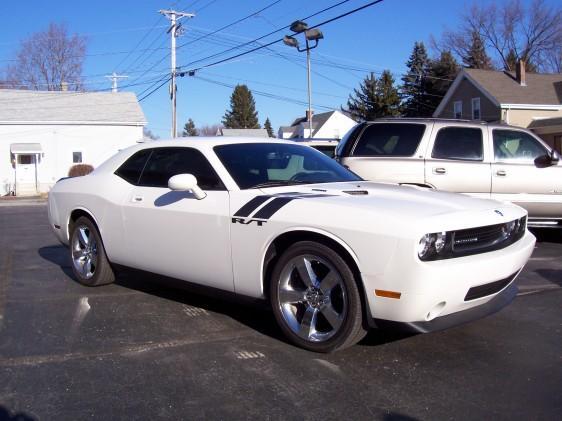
(186, 182)
(554, 157)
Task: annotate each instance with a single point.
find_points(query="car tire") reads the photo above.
(315, 298)
(89, 261)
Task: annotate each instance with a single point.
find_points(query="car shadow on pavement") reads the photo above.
(251, 312)
(551, 275)
(6, 415)
(547, 235)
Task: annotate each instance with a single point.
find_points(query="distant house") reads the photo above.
(242, 132)
(523, 99)
(329, 125)
(42, 134)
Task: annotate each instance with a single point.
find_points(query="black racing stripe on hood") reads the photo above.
(272, 207)
(251, 206)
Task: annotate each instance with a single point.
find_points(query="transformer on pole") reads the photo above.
(174, 16)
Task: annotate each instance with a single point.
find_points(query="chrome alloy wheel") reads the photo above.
(84, 251)
(312, 298)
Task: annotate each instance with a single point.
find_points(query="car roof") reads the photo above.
(198, 141)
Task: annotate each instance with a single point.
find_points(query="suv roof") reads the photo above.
(438, 120)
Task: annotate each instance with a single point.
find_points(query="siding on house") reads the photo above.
(465, 92)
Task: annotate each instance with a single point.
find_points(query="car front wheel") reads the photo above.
(89, 261)
(315, 298)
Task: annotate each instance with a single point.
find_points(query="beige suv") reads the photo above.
(481, 159)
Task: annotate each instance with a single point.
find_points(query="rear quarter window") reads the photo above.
(390, 139)
(131, 169)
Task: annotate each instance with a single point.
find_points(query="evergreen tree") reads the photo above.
(512, 59)
(375, 98)
(189, 129)
(267, 126)
(442, 72)
(476, 57)
(361, 105)
(388, 99)
(415, 100)
(242, 113)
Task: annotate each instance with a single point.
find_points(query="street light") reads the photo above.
(313, 34)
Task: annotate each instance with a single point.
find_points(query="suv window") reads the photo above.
(516, 146)
(388, 139)
(164, 163)
(131, 169)
(461, 143)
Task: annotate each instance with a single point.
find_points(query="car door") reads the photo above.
(457, 161)
(389, 152)
(519, 175)
(173, 233)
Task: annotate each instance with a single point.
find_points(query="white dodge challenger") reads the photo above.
(333, 254)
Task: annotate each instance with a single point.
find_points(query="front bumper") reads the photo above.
(501, 300)
(432, 290)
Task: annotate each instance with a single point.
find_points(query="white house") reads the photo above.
(42, 134)
(329, 125)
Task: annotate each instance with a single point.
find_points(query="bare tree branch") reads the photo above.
(47, 60)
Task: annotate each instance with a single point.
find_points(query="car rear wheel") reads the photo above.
(315, 298)
(89, 261)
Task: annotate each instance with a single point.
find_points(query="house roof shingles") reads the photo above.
(69, 107)
(540, 89)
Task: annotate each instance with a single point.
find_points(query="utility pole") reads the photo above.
(114, 77)
(174, 17)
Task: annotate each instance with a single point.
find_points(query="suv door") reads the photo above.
(519, 175)
(171, 232)
(457, 161)
(388, 152)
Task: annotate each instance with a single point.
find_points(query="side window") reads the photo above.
(462, 143)
(131, 169)
(389, 139)
(476, 109)
(457, 109)
(164, 163)
(516, 146)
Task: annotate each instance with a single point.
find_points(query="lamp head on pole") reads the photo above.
(299, 26)
(290, 41)
(313, 34)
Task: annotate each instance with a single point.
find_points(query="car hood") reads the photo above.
(400, 203)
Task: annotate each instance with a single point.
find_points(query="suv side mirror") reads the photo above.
(186, 182)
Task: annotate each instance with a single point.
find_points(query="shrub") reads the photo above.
(80, 170)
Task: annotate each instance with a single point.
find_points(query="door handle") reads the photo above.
(137, 199)
(440, 170)
(501, 173)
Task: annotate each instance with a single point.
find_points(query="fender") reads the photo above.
(90, 214)
(307, 229)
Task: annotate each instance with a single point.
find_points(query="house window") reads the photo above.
(476, 109)
(77, 157)
(457, 109)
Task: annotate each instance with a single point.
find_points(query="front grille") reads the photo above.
(483, 239)
(476, 238)
(488, 289)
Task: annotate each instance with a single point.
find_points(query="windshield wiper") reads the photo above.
(277, 183)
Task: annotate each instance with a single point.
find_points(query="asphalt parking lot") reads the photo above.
(146, 348)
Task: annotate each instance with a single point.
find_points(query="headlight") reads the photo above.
(431, 245)
(424, 246)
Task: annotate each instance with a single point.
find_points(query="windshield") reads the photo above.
(255, 165)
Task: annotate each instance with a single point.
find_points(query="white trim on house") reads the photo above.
(531, 107)
(462, 74)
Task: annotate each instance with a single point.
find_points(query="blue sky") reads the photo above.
(377, 38)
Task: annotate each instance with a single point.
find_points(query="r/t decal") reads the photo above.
(247, 221)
